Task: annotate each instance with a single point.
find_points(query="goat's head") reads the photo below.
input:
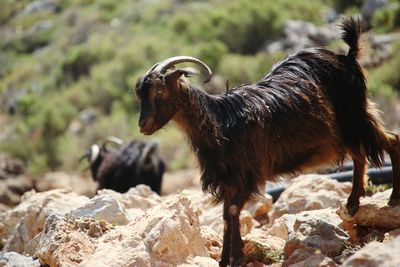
(96, 151)
(159, 91)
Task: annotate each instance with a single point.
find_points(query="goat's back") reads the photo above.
(121, 169)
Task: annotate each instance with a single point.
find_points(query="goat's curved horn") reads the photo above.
(94, 153)
(112, 139)
(149, 148)
(152, 68)
(163, 66)
(147, 151)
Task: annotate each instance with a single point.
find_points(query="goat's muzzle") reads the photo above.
(147, 126)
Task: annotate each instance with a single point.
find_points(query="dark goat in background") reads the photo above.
(134, 163)
(311, 109)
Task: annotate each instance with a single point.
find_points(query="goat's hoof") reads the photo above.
(363, 193)
(236, 262)
(395, 201)
(352, 208)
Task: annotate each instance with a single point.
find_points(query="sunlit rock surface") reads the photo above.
(140, 228)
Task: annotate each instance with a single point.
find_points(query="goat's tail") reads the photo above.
(363, 127)
(352, 32)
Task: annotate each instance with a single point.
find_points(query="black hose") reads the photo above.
(376, 176)
(348, 166)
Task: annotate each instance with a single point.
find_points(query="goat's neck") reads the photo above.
(194, 116)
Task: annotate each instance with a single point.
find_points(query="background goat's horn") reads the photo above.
(112, 139)
(163, 66)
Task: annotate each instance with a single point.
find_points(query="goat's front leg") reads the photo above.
(237, 255)
(357, 190)
(226, 247)
(232, 249)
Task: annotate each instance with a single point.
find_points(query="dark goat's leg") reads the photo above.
(226, 248)
(394, 152)
(237, 245)
(232, 250)
(357, 190)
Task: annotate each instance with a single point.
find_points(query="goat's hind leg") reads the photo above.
(358, 189)
(394, 152)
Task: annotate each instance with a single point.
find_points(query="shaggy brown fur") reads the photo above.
(311, 109)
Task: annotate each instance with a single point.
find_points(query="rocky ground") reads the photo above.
(307, 226)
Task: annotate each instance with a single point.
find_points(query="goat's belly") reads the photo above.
(324, 158)
(310, 159)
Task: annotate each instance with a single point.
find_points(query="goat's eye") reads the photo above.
(159, 89)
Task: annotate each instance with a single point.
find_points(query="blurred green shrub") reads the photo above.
(28, 42)
(385, 79)
(239, 69)
(6, 63)
(79, 60)
(95, 50)
(243, 26)
(342, 5)
(10, 8)
(387, 19)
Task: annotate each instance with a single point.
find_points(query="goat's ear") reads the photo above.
(189, 72)
(176, 74)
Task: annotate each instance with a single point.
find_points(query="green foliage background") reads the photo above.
(88, 54)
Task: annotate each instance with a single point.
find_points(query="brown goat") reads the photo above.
(311, 109)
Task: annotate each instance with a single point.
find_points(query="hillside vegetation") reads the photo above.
(68, 67)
